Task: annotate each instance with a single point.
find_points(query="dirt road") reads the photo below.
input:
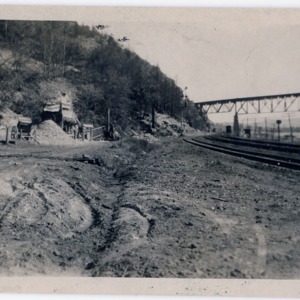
(163, 209)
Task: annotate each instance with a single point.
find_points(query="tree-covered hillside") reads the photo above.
(38, 58)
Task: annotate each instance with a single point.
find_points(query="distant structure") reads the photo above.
(253, 105)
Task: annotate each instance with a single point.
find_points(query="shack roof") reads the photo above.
(88, 125)
(56, 107)
(25, 120)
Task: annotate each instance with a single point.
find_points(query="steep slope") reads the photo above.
(101, 73)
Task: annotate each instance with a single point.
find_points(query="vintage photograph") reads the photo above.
(164, 144)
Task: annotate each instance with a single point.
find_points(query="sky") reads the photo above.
(217, 53)
(222, 53)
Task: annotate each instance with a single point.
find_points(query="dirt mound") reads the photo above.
(49, 132)
(165, 126)
(172, 127)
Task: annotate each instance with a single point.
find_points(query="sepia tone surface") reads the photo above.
(158, 208)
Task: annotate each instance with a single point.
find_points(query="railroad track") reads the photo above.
(281, 161)
(263, 142)
(257, 144)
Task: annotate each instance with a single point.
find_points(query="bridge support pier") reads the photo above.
(236, 126)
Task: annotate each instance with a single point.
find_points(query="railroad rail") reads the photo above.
(257, 144)
(263, 142)
(282, 161)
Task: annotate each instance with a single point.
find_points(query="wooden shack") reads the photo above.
(24, 127)
(60, 110)
(87, 131)
(13, 126)
(228, 129)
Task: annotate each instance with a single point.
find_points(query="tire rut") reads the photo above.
(150, 219)
(261, 250)
(97, 219)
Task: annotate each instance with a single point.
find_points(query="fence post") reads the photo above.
(108, 119)
(7, 132)
(83, 133)
(153, 116)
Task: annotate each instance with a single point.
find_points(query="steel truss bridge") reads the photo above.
(253, 105)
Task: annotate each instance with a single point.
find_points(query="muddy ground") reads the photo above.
(162, 209)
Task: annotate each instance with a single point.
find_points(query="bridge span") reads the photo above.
(253, 105)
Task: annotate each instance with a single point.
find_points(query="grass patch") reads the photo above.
(138, 146)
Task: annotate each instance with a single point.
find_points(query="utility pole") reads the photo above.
(266, 128)
(278, 129)
(184, 106)
(108, 120)
(291, 130)
(181, 125)
(62, 116)
(255, 128)
(7, 135)
(153, 116)
(272, 132)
